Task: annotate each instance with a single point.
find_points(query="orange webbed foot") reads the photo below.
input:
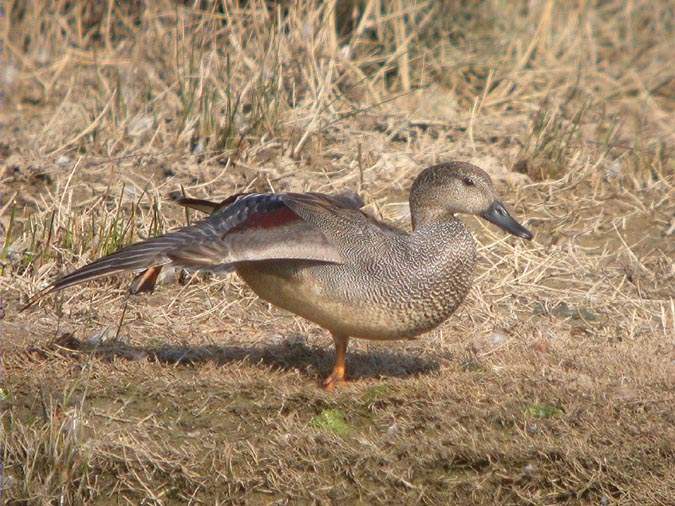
(334, 380)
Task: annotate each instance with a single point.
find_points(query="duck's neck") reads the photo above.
(444, 257)
(447, 243)
(425, 218)
(448, 228)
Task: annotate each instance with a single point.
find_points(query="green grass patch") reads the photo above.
(540, 410)
(332, 420)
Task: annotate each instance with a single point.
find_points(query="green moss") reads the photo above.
(332, 420)
(538, 410)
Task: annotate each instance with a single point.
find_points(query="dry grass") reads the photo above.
(552, 383)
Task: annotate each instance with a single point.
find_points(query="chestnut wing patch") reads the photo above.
(272, 218)
(257, 227)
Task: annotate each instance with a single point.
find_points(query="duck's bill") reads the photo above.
(498, 215)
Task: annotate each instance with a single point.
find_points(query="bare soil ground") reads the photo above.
(553, 383)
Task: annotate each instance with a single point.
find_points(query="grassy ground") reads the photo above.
(554, 382)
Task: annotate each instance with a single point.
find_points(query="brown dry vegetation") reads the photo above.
(554, 382)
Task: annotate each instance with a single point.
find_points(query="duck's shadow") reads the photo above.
(286, 356)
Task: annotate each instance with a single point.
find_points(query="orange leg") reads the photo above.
(339, 374)
(145, 281)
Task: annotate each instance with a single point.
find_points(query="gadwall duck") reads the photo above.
(323, 258)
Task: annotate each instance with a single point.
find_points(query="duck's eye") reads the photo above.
(468, 182)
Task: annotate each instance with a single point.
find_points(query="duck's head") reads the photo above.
(443, 190)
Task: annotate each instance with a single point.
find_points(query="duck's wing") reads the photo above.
(205, 206)
(340, 218)
(253, 227)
